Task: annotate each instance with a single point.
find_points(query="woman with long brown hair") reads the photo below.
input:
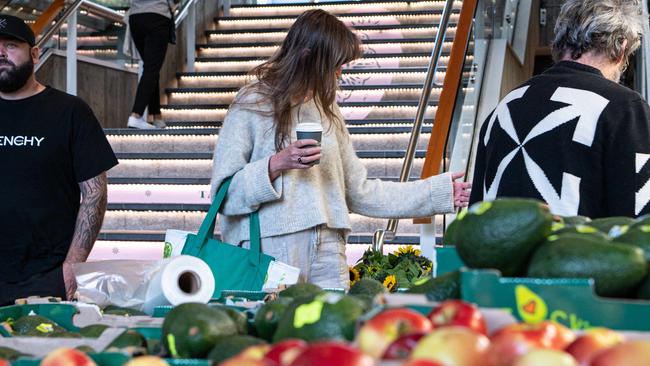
(304, 205)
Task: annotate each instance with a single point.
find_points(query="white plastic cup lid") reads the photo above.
(309, 127)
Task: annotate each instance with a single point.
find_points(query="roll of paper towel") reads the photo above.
(180, 279)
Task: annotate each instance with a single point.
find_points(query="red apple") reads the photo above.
(506, 347)
(283, 353)
(332, 353)
(546, 334)
(67, 357)
(422, 363)
(458, 312)
(593, 341)
(401, 348)
(384, 328)
(632, 353)
(453, 346)
(546, 357)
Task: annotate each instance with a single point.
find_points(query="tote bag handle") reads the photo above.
(209, 223)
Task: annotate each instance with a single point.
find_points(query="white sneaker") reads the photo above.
(140, 123)
(159, 123)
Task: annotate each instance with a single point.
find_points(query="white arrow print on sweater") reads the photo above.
(582, 104)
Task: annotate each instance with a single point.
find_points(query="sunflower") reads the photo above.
(427, 267)
(390, 282)
(408, 249)
(354, 275)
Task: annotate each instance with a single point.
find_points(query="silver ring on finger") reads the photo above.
(300, 160)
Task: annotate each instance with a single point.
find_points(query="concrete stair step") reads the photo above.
(404, 48)
(367, 36)
(367, 62)
(350, 78)
(370, 94)
(337, 7)
(163, 143)
(91, 40)
(354, 126)
(352, 20)
(189, 218)
(111, 246)
(195, 113)
(389, 166)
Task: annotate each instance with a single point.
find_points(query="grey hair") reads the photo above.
(600, 26)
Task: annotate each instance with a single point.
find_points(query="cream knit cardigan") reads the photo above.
(302, 199)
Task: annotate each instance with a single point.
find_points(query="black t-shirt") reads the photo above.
(49, 143)
(569, 137)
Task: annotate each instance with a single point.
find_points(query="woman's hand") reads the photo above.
(298, 155)
(461, 190)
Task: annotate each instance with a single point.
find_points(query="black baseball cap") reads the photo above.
(16, 28)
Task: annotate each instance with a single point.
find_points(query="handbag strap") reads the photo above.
(210, 220)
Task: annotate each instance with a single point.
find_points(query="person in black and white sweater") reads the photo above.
(572, 136)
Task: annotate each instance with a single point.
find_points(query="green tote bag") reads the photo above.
(234, 268)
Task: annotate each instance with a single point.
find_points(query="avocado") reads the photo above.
(64, 334)
(268, 316)
(301, 290)
(451, 233)
(606, 224)
(116, 310)
(616, 269)
(227, 347)
(638, 236)
(190, 330)
(643, 291)
(327, 316)
(239, 317)
(575, 220)
(367, 289)
(130, 338)
(502, 234)
(584, 230)
(35, 326)
(444, 287)
(9, 353)
(93, 331)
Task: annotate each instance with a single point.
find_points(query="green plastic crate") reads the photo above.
(60, 313)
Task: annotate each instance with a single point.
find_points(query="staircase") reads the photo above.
(163, 179)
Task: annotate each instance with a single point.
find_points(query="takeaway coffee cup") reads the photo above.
(314, 131)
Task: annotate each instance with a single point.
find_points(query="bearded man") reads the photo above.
(54, 157)
(572, 136)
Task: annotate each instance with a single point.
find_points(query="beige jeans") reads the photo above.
(319, 252)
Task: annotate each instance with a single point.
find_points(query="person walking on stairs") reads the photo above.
(151, 26)
(304, 204)
(54, 157)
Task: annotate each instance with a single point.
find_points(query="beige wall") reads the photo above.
(515, 73)
(109, 92)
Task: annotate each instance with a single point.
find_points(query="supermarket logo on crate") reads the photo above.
(531, 308)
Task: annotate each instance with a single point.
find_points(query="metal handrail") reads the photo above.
(89, 6)
(389, 234)
(103, 11)
(72, 9)
(184, 12)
